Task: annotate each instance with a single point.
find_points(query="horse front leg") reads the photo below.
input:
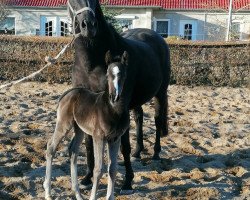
(62, 128)
(98, 169)
(138, 116)
(86, 181)
(73, 153)
(113, 148)
(126, 150)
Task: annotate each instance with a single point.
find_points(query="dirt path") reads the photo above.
(205, 156)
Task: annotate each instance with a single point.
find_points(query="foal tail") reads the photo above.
(68, 91)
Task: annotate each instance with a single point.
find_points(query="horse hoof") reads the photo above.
(136, 155)
(85, 187)
(133, 159)
(126, 192)
(164, 134)
(48, 198)
(120, 163)
(86, 183)
(156, 157)
(79, 197)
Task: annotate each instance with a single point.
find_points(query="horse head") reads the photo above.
(82, 13)
(116, 73)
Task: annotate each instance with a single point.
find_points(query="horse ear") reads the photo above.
(125, 58)
(108, 57)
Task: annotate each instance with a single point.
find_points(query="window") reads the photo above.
(64, 31)
(125, 21)
(54, 26)
(162, 27)
(49, 28)
(7, 26)
(125, 24)
(188, 29)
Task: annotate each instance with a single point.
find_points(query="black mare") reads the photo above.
(147, 76)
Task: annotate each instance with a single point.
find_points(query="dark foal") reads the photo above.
(147, 77)
(101, 115)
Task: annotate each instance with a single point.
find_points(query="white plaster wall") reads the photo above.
(210, 26)
(28, 20)
(143, 16)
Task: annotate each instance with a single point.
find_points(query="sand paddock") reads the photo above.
(205, 156)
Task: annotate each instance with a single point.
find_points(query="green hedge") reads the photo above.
(20, 56)
(210, 63)
(193, 63)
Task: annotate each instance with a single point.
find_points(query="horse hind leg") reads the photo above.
(160, 120)
(73, 153)
(126, 150)
(86, 181)
(138, 116)
(62, 128)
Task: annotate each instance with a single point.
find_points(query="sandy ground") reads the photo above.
(205, 156)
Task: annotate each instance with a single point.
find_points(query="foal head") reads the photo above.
(82, 13)
(116, 74)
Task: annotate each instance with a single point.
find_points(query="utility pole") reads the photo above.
(229, 23)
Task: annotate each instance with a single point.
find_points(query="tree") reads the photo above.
(3, 10)
(109, 15)
(230, 24)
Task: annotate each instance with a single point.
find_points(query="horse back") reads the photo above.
(149, 69)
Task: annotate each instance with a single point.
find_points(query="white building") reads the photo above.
(188, 19)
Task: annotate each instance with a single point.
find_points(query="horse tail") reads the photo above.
(168, 63)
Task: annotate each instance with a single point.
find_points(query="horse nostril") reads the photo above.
(84, 24)
(94, 23)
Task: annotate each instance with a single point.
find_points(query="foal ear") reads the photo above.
(108, 57)
(125, 58)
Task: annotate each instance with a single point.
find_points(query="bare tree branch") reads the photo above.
(3, 10)
(248, 5)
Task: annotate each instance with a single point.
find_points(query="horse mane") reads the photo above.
(108, 28)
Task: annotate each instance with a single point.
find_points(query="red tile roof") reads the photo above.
(166, 4)
(37, 3)
(183, 4)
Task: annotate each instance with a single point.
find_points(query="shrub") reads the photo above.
(192, 63)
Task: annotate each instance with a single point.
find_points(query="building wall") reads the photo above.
(142, 17)
(209, 26)
(27, 20)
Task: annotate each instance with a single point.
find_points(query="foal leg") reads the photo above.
(160, 120)
(62, 128)
(126, 150)
(86, 181)
(138, 116)
(73, 153)
(113, 148)
(98, 170)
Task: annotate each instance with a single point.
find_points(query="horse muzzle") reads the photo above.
(113, 98)
(88, 28)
